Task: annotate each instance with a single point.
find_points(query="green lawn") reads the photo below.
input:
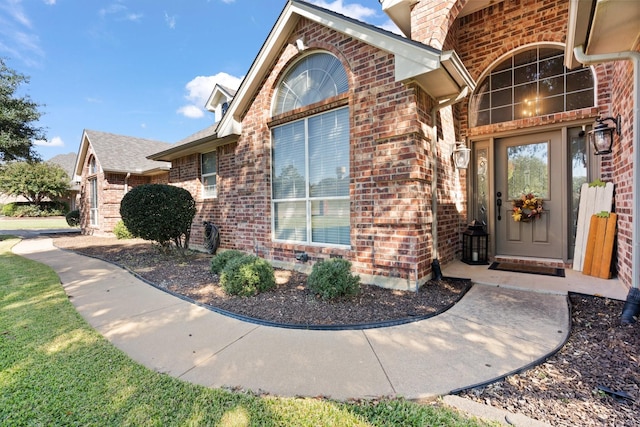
(56, 370)
(32, 223)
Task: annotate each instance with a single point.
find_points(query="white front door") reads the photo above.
(531, 164)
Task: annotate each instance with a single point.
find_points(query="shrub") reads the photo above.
(121, 231)
(247, 275)
(333, 278)
(219, 261)
(73, 218)
(9, 209)
(159, 212)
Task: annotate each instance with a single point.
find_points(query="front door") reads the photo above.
(531, 164)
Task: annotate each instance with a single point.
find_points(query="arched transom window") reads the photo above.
(316, 77)
(528, 84)
(310, 157)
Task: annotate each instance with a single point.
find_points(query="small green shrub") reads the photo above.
(9, 209)
(219, 261)
(121, 231)
(333, 278)
(73, 218)
(247, 275)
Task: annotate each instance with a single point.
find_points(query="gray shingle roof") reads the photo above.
(119, 153)
(66, 161)
(201, 134)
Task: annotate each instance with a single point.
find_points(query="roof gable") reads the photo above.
(441, 74)
(119, 153)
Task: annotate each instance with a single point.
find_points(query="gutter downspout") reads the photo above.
(634, 57)
(436, 273)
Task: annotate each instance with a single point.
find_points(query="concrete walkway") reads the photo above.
(490, 333)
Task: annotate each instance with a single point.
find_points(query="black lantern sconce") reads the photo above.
(475, 244)
(461, 155)
(601, 136)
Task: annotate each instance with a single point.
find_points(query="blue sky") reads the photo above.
(137, 68)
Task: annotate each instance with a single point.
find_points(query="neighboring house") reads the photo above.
(109, 166)
(68, 162)
(339, 140)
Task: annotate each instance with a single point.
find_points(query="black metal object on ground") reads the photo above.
(211, 237)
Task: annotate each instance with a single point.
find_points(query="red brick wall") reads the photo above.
(390, 169)
(484, 37)
(111, 190)
(621, 162)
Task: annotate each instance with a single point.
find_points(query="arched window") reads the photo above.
(93, 166)
(530, 83)
(310, 157)
(316, 77)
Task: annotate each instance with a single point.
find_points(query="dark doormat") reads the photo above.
(530, 269)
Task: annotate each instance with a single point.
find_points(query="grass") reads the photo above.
(57, 222)
(56, 370)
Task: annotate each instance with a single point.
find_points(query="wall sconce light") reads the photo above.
(461, 155)
(601, 136)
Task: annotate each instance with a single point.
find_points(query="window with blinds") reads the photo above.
(310, 186)
(209, 175)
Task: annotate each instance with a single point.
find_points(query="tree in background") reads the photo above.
(34, 181)
(17, 118)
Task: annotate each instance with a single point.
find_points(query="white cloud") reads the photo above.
(120, 12)
(191, 112)
(170, 20)
(355, 11)
(359, 12)
(50, 2)
(56, 141)
(199, 90)
(21, 42)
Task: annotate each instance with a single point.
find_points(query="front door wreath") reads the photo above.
(527, 208)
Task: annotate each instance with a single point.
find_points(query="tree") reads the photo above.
(17, 118)
(159, 212)
(34, 181)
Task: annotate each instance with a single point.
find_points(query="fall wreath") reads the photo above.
(527, 208)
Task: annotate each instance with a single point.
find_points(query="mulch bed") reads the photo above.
(289, 303)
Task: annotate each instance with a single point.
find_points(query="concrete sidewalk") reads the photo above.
(490, 333)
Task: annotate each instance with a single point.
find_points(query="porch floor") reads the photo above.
(574, 281)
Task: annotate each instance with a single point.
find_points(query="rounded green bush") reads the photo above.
(333, 278)
(73, 218)
(247, 276)
(121, 231)
(159, 212)
(219, 261)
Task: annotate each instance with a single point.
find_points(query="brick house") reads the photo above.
(109, 165)
(339, 140)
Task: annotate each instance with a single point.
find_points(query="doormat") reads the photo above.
(529, 269)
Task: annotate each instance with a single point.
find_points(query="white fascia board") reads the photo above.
(578, 23)
(399, 11)
(82, 153)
